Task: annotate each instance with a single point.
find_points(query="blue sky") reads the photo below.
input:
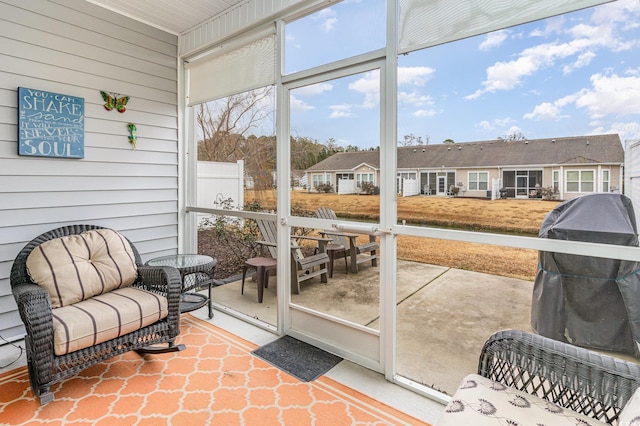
(576, 74)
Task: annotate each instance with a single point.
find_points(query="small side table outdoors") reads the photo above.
(196, 271)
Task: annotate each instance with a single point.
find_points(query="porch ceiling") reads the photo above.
(172, 16)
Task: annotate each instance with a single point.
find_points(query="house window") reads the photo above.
(580, 181)
(478, 181)
(556, 181)
(605, 181)
(363, 177)
(318, 180)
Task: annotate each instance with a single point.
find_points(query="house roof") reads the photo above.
(596, 149)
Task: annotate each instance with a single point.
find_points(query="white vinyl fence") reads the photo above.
(346, 186)
(410, 187)
(496, 184)
(218, 182)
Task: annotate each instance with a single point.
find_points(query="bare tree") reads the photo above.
(224, 124)
(227, 127)
(410, 140)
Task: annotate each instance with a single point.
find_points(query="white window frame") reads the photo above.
(360, 178)
(317, 179)
(581, 182)
(475, 185)
(605, 181)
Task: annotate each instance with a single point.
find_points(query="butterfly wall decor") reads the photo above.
(113, 101)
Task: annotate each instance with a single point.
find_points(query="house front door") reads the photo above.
(522, 187)
(442, 185)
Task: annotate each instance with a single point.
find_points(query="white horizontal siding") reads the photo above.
(76, 48)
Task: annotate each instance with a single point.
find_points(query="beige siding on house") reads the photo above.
(463, 176)
(615, 178)
(75, 48)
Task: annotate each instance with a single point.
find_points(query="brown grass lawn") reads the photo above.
(513, 216)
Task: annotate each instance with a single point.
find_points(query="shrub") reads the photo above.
(233, 239)
(549, 193)
(369, 188)
(324, 187)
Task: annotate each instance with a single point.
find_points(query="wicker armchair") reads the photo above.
(34, 304)
(581, 380)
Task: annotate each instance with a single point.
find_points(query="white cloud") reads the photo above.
(552, 26)
(369, 86)
(583, 60)
(514, 130)
(414, 98)
(611, 95)
(425, 113)
(299, 105)
(328, 19)
(617, 12)
(415, 76)
(291, 41)
(585, 41)
(329, 24)
(502, 122)
(544, 111)
(313, 89)
(494, 39)
(627, 131)
(341, 111)
(485, 125)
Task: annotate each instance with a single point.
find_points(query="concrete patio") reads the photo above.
(444, 315)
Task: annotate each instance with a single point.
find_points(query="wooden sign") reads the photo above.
(50, 124)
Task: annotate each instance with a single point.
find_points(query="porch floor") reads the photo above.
(444, 316)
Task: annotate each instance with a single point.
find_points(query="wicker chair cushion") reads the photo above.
(78, 267)
(104, 317)
(480, 401)
(630, 414)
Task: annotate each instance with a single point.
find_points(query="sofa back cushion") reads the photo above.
(78, 267)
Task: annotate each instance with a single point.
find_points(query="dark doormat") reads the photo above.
(302, 360)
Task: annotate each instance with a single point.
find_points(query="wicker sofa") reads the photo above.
(152, 292)
(524, 378)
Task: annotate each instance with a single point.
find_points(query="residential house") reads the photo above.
(573, 166)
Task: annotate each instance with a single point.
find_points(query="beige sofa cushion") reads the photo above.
(482, 402)
(77, 267)
(105, 317)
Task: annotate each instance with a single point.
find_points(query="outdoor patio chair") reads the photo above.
(85, 296)
(346, 244)
(524, 376)
(302, 267)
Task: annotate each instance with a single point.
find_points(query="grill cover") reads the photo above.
(589, 301)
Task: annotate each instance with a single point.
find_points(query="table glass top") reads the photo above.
(182, 260)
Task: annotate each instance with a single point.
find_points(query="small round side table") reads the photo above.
(196, 271)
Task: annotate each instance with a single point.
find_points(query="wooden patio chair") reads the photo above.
(346, 244)
(302, 267)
